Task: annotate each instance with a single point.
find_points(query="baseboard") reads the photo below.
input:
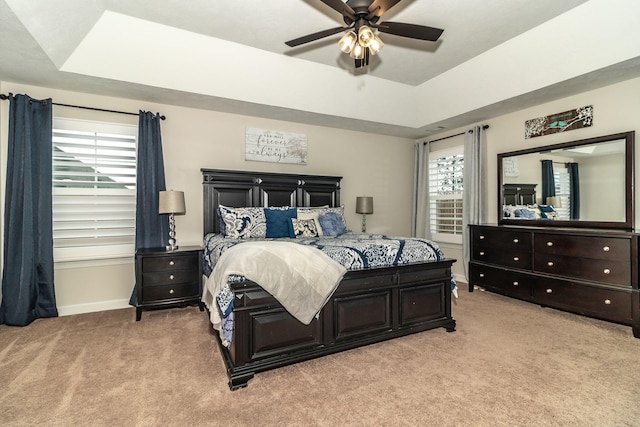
(68, 310)
(460, 280)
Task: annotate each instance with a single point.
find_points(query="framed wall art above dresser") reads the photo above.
(572, 245)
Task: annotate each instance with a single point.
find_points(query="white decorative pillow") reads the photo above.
(311, 213)
(243, 223)
(304, 227)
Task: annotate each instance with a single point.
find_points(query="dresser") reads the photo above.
(588, 272)
(168, 278)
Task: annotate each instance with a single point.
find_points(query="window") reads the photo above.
(563, 190)
(94, 190)
(446, 169)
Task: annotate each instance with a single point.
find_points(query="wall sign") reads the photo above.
(559, 122)
(510, 167)
(277, 147)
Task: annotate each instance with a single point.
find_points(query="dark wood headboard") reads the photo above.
(252, 189)
(519, 194)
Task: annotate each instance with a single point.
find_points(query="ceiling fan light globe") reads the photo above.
(347, 42)
(365, 36)
(357, 52)
(375, 45)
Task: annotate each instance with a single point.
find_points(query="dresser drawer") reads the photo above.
(503, 281)
(501, 239)
(169, 277)
(597, 270)
(165, 292)
(169, 263)
(507, 257)
(607, 304)
(609, 248)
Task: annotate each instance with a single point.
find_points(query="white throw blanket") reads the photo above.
(300, 277)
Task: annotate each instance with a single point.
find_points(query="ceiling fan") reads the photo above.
(361, 17)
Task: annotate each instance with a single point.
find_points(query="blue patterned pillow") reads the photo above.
(279, 222)
(332, 224)
(243, 223)
(524, 213)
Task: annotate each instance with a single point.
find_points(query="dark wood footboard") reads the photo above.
(369, 306)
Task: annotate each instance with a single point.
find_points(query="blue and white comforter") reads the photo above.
(353, 250)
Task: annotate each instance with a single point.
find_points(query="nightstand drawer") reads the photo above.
(178, 290)
(169, 277)
(169, 263)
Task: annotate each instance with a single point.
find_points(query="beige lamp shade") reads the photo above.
(171, 202)
(364, 205)
(554, 201)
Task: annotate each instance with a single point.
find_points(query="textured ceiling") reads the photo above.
(51, 44)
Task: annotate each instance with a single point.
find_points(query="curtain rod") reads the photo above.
(3, 96)
(457, 134)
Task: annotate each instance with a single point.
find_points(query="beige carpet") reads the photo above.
(508, 364)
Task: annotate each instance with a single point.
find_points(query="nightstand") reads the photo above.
(168, 278)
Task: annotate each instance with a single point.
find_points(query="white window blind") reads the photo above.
(446, 187)
(94, 189)
(563, 190)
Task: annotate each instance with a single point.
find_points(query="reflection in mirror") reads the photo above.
(585, 183)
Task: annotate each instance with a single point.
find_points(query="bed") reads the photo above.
(367, 303)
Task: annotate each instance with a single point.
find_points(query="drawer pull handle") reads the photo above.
(515, 258)
(606, 249)
(550, 263)
(171, 277)
(607, 302)
(515, 240)
(549, 291)
(481, 253)
(481, 237)
(481, 274)
(515, 283)
(549, 243)
(171, 262)
(606, 271)
(170, 291)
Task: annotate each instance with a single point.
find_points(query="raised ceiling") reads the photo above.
(494, 56)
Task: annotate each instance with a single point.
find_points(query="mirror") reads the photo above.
(586, 183)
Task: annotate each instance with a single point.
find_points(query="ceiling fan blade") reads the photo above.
(378, 7)
(315, 36)
(413, 31)
(341, 7)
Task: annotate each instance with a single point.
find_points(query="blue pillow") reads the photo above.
(524, 213)
(332, 224)
(279, 222)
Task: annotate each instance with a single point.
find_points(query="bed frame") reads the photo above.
(369, 305)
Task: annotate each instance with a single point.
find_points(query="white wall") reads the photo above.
(375, 165)
(615, 109)
(370, 164)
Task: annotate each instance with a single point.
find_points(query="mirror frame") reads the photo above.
(627, 224)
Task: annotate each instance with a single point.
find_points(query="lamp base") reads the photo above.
(172, 234)
(364, 223)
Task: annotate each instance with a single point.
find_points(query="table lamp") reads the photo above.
(172, 203)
